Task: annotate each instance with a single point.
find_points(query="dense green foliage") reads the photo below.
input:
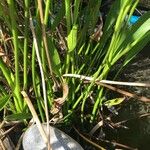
(67, 44)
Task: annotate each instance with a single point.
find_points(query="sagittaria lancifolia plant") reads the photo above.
(73, 38)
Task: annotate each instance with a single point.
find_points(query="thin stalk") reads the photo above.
(68, 21)
(47, 9)
(43, 81)
(25, 53)
(76, 10)
(36, 81)
(97, 103)
(49, 65)
(35, 86)
(46, 15)
(12, 13)
(87, 91)
(68, 15)
(73, 81)
(44, 38)
(35, 117)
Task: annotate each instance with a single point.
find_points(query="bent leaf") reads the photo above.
(4, 100)
(115, 101)
(18, 116)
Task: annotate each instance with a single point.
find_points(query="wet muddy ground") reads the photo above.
(137, 113)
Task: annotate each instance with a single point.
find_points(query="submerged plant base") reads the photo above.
(32, 139)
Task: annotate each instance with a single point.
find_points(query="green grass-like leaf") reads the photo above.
(18, 117)
(4, 100)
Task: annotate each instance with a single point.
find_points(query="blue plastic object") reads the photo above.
(133, 19)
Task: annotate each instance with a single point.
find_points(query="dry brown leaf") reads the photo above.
(60, 101)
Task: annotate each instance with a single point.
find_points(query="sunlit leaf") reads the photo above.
(72, 38)
(115, 101)
(56, 65)
(141, 33)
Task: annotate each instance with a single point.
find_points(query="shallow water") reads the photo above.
(138, 133)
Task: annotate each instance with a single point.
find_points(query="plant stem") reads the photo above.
(25, 54)
(44, 37)
(12, 13)
(43, 81)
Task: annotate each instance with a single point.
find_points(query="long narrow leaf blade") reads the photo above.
(4, 100)
(18, 116)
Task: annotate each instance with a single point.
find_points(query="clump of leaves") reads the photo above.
(67, 43)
